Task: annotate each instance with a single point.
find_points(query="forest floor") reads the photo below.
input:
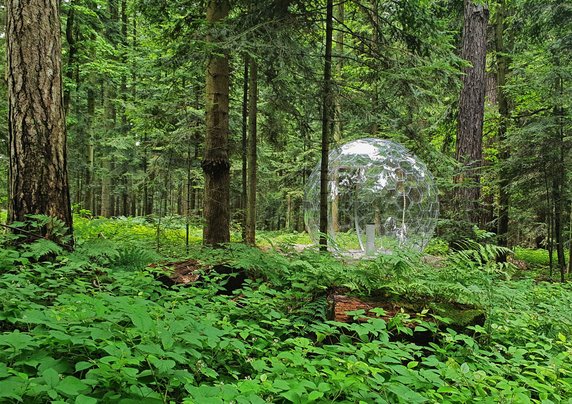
(111, 323)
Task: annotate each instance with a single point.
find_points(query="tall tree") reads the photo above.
(216, 163)
(252, 160)
(504, 112)
(244, 142)
(326, 125)
(338, 15)
(110, 93)
(472, 106)
(37, 128)
(72, 52)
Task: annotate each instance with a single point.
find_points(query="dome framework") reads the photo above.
(380, 198)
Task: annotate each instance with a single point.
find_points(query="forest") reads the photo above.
(188, 215)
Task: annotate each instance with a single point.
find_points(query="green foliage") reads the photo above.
(535, 258)
(95, 326)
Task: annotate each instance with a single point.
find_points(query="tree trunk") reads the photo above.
(326, 125)
(148, 177)
(110, 93)
(288, 224)
(106, 202)
(106, 160)
(216, 163)
(472, 107)
(38, 181)
(72, 51)
(570, 242)
(89, 194)
(558, 237)
(339, 16)
(252, 163)
(244, 197)
(558, 182)
(337, 132)
(504, 112)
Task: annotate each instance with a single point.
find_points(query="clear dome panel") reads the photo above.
(380, 198)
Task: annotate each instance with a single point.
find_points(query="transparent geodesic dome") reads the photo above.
(380, 198)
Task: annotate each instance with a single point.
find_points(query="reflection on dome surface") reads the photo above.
(380, 198)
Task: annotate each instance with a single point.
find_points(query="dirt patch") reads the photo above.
(193, 272)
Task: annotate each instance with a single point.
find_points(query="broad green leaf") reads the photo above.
(81, 399)
(51, 377)
(72, 386)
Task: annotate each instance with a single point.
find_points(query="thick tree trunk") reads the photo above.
(216, 163)
(38, 182)
(471, 108)
(326, 125)
(252, 158)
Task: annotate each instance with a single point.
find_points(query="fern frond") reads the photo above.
(41, 248)
(133, 258)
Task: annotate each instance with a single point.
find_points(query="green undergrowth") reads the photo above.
(168, 234)
(536, 258)
(95, 326)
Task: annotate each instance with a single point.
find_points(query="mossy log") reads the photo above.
(460, 316)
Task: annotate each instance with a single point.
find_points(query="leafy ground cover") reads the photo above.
(95, 325)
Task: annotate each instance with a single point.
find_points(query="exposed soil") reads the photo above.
(191, 271)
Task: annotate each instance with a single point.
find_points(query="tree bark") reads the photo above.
(472, 107)
(72, 51)
(106, 161)
(558, 181)
(148, 179)
(89, 194)
(252, 158)
(504, 112)
(38, 181)
(110, 93)
(216, 163)
(570, 242)
(326, 125)
(244, 201)
(337, 132)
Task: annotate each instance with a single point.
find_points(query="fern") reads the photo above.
(477, 256)
(99, 250)
(133, 258)
(42, 248)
